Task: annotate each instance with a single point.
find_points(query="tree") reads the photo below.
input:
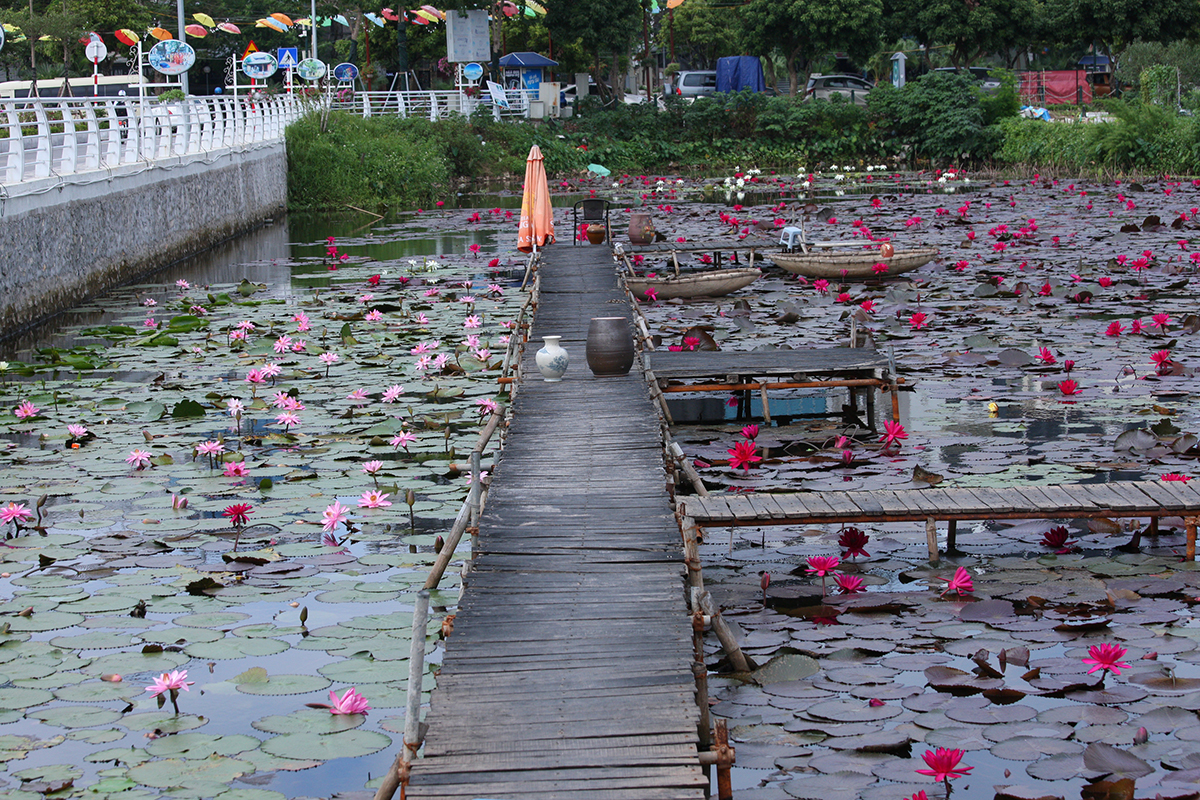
(969, 29)
(61, 30)
(804, 31)
(1116, 23)
(601, 26)
(701, 34)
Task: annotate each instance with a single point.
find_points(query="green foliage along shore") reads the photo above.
(940, 119)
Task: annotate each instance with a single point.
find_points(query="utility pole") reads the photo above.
(183, 76)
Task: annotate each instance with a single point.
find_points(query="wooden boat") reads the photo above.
(712, 283)
(852, 264)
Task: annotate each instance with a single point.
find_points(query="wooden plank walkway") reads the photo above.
(1151, 499)
(568, 674)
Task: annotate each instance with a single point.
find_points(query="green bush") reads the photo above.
(1005, 101)
(938, 116)
(364, 162)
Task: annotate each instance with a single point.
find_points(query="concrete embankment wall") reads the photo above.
(63, 242)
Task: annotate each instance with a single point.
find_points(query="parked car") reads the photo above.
(696, 83)
(851, 87)
(981, 74)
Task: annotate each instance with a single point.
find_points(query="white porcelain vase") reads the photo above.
(552, 360)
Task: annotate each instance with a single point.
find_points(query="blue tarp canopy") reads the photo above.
(526, 60)
(735, 73)
(1094, 62)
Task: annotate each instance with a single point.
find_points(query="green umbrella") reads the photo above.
(599, 170)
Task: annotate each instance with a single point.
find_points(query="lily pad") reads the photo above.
(346, 744)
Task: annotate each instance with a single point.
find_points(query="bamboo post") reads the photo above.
(952, 536)
(1190, 523)
(688, 469)
(656, 393)
(700, 673)
(931, 539)
(397, 776)
(691, 553)
(473, 500)
(853, 331)
(766, 405)
(724, 634)
(725, 759)
(443, 558)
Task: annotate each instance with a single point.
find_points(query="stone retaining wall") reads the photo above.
(63, 242)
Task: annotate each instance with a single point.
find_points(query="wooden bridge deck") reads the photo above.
(568, 674)
(1151, 499)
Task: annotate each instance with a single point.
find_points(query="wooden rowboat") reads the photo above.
(854, 264)
(713, 283)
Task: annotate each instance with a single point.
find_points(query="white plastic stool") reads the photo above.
(788, 237)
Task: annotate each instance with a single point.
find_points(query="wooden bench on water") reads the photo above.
(569, 673)
(1131, 499)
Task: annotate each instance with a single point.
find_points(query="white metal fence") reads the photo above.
(65, 139)
(47, 138)
(430, 104)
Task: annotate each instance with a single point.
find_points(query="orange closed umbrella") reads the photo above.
(537, 217)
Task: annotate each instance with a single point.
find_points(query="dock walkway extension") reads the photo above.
(569, 672)
(1151, 499)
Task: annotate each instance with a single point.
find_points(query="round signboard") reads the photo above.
(96, 50)
(311, 69)
(171, 57)
(259, 65)
(345, 71)
(472, 71)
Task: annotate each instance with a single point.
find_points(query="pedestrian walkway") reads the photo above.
(569, 672)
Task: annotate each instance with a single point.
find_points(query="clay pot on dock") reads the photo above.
(595, 233)
(641, 228)
(609, 346)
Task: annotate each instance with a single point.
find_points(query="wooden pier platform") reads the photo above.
(569, 671)
(1130, 499)
(854, 369)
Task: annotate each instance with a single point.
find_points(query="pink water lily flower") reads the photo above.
(15, 512)
(849, 584)
(1106, 657)
(822, 565)
(351, 702)
(961, 583)
(77, 431)
(236, 469)
(944, 764)
(743, 455)
(374, 499)
(138, 458)
(893, 433)
(334, 515)
(175, 680)
(392, 393)
(26, 410)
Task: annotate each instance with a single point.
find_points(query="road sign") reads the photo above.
(250, 48)
(288, 57)
(96, 51)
